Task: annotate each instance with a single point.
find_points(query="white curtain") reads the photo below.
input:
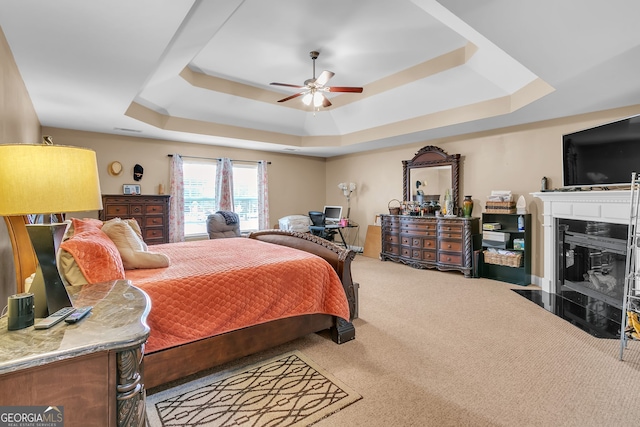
(263, 196)
(224, 185)
(176, 207)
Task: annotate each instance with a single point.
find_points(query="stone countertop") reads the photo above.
(117, 321)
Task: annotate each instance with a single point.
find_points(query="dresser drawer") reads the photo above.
(136, 209)
(391, 238)
(450, 227)
(450, 235)
(153, 234)
(154, 221)
(390, 249)
(429, 243)
(154, 209)
(117, 210)
(452, 259)
(429, 256)
(450, 246)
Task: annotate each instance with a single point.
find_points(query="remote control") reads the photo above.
(54, 318)
(78, 314)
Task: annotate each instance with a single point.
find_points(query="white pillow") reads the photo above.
(133, 250)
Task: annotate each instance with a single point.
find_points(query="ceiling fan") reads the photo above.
(312, 91)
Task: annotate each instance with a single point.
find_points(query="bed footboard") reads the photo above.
(339, 258)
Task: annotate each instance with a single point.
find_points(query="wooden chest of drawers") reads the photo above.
(151, 212)
(430, 242)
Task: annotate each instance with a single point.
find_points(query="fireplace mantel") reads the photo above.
(602, 206)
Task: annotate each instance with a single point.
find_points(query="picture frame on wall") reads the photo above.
(131, 189)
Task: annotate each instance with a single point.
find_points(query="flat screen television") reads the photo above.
(603, 156)
(332, 214)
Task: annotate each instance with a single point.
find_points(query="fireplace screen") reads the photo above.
(592, 259)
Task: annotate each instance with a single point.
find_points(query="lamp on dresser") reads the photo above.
(47, 179)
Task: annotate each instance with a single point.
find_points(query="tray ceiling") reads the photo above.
(199, 71)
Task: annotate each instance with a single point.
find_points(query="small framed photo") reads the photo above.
(132, 189)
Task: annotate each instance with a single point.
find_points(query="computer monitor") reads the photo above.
(332, 213)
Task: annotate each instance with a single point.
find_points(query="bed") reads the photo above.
(169, 358)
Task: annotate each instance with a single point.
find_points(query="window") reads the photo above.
(200, 194)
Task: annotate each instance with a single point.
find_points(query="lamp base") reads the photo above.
(50, 294)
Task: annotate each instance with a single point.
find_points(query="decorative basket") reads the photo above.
(511, 259)
(394, 210)
(500, 207)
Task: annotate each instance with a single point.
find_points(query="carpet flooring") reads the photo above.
(288, 390)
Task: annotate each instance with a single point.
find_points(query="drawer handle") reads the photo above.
(155, 221)
(448, 246)
(117, 209)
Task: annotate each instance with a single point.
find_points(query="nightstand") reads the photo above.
(92, 369)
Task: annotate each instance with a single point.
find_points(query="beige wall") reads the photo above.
(508, 159)
(296, 184)
(513, 159)
(18, 124)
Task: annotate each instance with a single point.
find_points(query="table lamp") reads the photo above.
(46, 179)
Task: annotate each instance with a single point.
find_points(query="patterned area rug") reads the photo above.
(288, 390)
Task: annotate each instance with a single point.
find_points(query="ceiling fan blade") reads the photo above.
(325, 102)
(295, 95)
(286, 84)
(344, 89)
(324, 77)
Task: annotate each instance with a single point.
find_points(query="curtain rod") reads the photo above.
(218, 158)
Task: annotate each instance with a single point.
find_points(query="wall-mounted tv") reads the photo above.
(603, 156)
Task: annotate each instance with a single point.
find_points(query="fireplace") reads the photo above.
(585, 240)
(611, 207)
(591, 259)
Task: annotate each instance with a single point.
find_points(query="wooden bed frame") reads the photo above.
(170, 364)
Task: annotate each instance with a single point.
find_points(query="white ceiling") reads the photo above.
(199, 71)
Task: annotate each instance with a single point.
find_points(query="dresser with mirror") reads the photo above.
(434, 240)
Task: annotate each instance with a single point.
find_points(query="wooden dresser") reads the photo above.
(445, 243)
(151, 212)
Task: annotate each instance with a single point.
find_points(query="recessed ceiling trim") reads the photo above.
(480, 110)
(436, 65)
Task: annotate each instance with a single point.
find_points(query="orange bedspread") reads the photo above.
(216, 286)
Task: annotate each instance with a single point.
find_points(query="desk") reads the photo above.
(92, 369)
(336, 227)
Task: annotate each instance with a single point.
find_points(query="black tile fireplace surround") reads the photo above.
(589, 314)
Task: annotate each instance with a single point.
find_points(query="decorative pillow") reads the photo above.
(96, 256)
(132, 248)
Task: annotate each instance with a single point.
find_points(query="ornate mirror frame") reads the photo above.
(431, 156)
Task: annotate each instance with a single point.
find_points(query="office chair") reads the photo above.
(318, 226)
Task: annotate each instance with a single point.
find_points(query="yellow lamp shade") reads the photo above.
(43, 179)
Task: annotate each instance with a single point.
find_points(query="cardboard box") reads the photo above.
(518, 244)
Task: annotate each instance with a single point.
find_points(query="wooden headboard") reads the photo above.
(23, 255)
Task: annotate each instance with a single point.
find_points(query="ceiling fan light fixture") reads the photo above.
(318, 99)
(313, 88)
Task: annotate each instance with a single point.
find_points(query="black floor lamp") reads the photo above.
(45, 179)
